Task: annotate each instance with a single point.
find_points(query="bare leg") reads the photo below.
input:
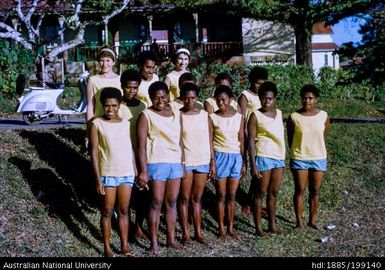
(274, 185)
(105, 220)
(170, 200)
(231, 190)
(315, 181)
(220, 186)
(157, 189)
(300, 183)
(199, 183)
(183, 206)
(124, 197)
(261, 189)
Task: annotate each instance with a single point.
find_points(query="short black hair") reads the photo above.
(266, 87)
(155, 86)
(258, 73)
(130, 75)
(187, 76)
(223, 76)
(146, 55)
(110, 92)
(189, 87)
(309, 88)
(223, 89)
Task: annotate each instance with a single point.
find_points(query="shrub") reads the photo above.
(13, 61)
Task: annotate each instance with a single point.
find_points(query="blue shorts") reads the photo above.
(115, 181)
(267, 164)
(316, 165)
(164, 171)
(198, 169)
(228, 165)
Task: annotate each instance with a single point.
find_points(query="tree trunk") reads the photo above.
(303, 45)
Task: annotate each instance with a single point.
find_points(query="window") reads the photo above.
(326, 63)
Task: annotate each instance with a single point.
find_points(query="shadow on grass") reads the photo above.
(68, 188)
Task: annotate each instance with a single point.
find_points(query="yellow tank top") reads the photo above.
(213, 103)
(173, 76)
(253, 102)
(196, 138)
(99, 83)
(269, 136)
(133, 113)
(225, 130)
(143, 90)
(308, 140)
(163, 138)
(115, 151)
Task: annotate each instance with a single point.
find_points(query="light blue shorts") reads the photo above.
(164, 171)
(267, 164)
(198, 169)
(228, 165)
(316, 165)
(115, 181)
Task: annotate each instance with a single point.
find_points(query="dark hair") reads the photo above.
(155, 86)
(223, 76)
(309, 88)
(258, 73)
(266, 87)
(189, 87)
(107, 51)
(130, 75)
(186, 77)
(223, 89)
(110, 92)
(146, 55)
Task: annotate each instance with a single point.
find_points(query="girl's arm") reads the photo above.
(181, 145)
(290, 131)
(90, 100)
(252, 126)
(208, 108)
(327, 127)
(241, 138)
(242, 102)
(212, 173)
(94, 138)
(141, 133)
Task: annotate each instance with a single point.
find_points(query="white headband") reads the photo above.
(108, 50)
(182, 50)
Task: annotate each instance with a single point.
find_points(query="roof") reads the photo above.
(322, 29)
(324, 46)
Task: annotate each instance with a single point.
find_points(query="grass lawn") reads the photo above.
(49, 205)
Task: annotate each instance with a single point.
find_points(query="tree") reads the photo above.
(70, 16)
(300, 14)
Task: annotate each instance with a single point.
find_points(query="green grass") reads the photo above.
(64, 221)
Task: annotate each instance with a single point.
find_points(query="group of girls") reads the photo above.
(167, 142)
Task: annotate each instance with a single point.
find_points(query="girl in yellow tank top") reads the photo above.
(113, 163)
(267, 155)
(199, 157)
(229, 157)
(306, 130)
(161, 161)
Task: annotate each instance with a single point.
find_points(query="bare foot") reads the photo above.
(299, 226)
(222, 236)
(202, 240)
(139, 234)
(127, 253)
(260, 233)
(235, 236)
(153, 249)
(246, 210)
(316, 226)
(276, 231)
(108, 253)
(175, 245)
(187, 242)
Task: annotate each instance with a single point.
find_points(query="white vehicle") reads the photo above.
(39, 103)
